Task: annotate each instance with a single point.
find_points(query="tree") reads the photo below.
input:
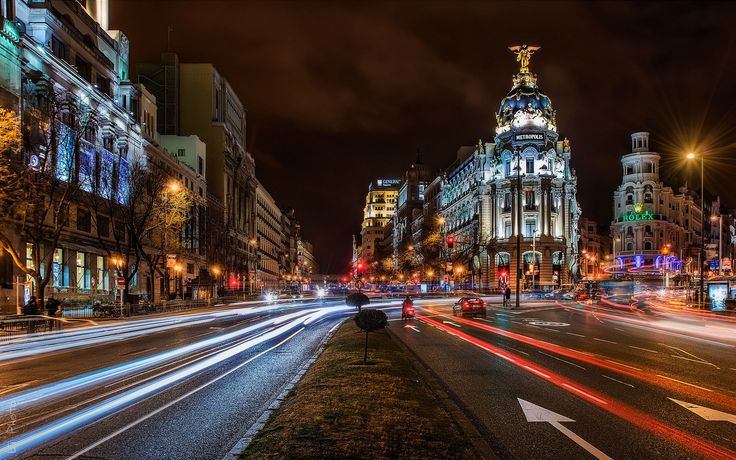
(160, 218)
(39, 177)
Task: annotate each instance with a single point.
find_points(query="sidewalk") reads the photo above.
(343, 409)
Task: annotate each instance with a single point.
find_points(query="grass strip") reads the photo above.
(344, 409)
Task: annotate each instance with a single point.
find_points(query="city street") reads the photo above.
(572, 380)
(178, 386)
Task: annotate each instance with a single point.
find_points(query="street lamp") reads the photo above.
(178, 269)
(216, 271)
(692, 156)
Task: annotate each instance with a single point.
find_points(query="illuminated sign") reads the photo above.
(388, 182)
(529, 137)
(638, 213)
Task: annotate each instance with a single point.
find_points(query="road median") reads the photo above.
(344, 409)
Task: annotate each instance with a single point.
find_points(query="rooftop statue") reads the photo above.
(523, 55)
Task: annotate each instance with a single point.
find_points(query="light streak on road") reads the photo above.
(41, 344)
(632, 415)
(620, 368)
(45, 433)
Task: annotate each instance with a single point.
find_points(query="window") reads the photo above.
(103, 84)
(507, 201)
(507, 229)
(529, 199)
(629, 199)
(530, 165)
(629, 169)
(58, 268)
(103, 276)
(181, 152)
(103, 226)
(58, 48)
(648, 246)
(507, 167)
(190, 269)
(84, 220)
(531, 227)
(200, 166)
(84, 68)
(83, 281)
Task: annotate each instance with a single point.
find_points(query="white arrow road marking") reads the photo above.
(416, 329)
(534, 413)
(711, 415)
(451, 322)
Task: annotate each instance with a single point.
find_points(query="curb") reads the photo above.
(284, 391)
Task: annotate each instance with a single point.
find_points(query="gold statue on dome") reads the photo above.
(523, 55)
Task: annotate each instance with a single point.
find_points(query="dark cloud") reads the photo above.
(339, 93)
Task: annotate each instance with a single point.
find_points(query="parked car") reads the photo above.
(473, 306)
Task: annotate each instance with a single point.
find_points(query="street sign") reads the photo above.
(121, 282)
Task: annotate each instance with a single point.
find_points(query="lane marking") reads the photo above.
(619, 381)
(534, 413)
(619, 329)
(684, 383)
(414, 328)
(695, 361)
(711, 415)
(643, 349)
(578, 390)
(622, 364)
(604, 340)
(564, 361)
(577, 335)
(697, 358)
(452, 323)
(517, 350)
(180, 398)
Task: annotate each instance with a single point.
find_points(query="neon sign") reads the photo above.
(638, 213)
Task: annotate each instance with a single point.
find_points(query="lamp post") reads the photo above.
(118, 262)
(178, 269)
(692, 156)
(518, 229)
(720, 241)
(216, 271)
(615, 260)
(534, 258)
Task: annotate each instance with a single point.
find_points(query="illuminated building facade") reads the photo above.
(520, 185)
(654, 228)
(380, 205)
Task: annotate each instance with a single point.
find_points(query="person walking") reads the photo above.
(507, 296)
(31, 309)
(52, 306)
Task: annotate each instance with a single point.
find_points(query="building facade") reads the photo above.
(380, 205)
(653, 226)
(195, 99)
(512, 203)
(269, 241)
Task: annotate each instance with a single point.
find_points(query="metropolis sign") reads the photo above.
(529, 137)
(638, 213)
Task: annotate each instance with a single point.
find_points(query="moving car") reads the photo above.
(474, 306)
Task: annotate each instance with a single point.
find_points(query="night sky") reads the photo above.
(339, 93)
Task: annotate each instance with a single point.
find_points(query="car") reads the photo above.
(474, 306)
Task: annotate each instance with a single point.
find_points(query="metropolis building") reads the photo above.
(516, 195)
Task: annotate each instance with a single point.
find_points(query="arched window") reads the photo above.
(629, 246)
(648, 246)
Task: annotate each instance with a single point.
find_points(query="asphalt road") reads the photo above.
(605, 373)
(180, 386)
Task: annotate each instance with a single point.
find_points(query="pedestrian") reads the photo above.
(507, 296)
(52, 306)
(31, 309)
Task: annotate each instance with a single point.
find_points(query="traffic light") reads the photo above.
(450, 241)
(360, 266)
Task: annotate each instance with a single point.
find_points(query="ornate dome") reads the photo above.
(528, 97)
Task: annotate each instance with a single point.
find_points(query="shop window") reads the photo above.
(103, 274)
(83, 275)
(58, 269)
